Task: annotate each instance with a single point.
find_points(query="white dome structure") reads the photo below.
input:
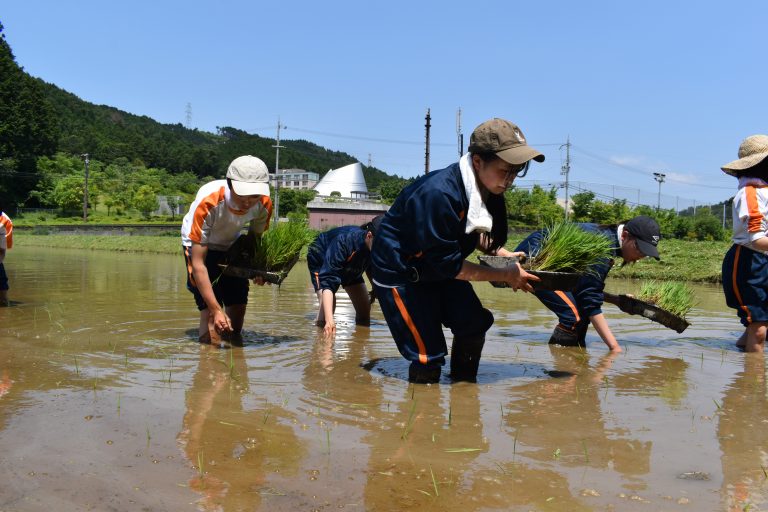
(347, 181)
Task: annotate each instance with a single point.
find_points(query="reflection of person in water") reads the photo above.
(743, 436)
(230, 447)
(567, 418)
(427, 435)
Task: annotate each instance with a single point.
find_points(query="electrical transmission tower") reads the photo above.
(566, 169)
(188, 118)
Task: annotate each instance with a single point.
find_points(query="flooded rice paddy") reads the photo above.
(107, 402)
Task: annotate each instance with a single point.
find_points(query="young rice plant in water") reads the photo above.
(673, 296)
(566, 247)
(280, 245)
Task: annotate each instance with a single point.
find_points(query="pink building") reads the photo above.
(343, 200)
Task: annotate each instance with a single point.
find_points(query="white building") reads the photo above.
(297, 179)
(348, 181)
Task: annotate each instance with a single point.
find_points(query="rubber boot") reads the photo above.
(566, 338)
(465, 357)
(422, 374)
(581, 331)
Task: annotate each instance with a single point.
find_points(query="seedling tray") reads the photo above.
(274, 276)
(549, 280)
(635, 306)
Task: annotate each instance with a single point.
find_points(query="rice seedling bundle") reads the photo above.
(280, 246)
(566, 247)
(672, 296)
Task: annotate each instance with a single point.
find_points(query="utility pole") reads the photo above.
(724, 202)
(459, 135)
(566, 169)
(277, 147)
(85, 190)
(427, 125)
(660, 178)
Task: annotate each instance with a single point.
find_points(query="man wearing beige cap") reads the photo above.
(745, 265)
(419, 268)
(213, 223)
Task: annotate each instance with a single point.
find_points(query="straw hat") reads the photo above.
(752, 151)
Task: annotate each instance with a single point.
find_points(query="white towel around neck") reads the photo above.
(478, 217)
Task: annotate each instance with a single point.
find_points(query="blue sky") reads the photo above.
(639, 87)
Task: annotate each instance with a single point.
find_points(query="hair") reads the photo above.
(486, 156)
(759, 170)
(373, 224)
(497, 207)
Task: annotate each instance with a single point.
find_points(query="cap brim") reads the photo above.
(743, 163)
(520, 154)
(647, 249)
(244, 188)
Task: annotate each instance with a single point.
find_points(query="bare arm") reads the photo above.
(204, 286)
(761, 244)
(326, 304)
(601, 326)
(513, 275)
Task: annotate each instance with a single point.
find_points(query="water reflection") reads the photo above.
(98, 346)
(233, 445)
(743, 437)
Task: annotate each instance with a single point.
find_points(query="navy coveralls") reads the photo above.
(338, 257)
(418, 250)
(574, 307)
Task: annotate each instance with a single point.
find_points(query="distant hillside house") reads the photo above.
(297, 179)
(343, 200)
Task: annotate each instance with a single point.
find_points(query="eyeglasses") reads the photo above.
(517, 171)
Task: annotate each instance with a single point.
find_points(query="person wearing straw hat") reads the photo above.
(418, 262)
(212, 225)
(6, 242)
(745, 265)
(340, 257)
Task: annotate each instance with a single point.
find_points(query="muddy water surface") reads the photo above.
(107, 402)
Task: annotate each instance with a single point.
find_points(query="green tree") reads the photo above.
(390, 187)
(581, 206)
(295, 201)
(68, 193)
(28, 127)
(145, 200)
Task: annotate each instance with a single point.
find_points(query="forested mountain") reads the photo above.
(108, 133)
(39, 119)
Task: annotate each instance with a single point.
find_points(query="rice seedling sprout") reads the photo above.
(410, 421)
(279, 245)
(566, 247)
(434, 482)
(672, 296)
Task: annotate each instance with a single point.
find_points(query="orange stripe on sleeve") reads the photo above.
(8, 231)
(411, 327)
(754, 225)
(570, 304)
(735, 286)
(266, 202)
(202, 210)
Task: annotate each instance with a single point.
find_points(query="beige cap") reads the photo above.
(249, 176)
(505, 139)
(752, 151)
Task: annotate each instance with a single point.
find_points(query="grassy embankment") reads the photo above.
(681, 260)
